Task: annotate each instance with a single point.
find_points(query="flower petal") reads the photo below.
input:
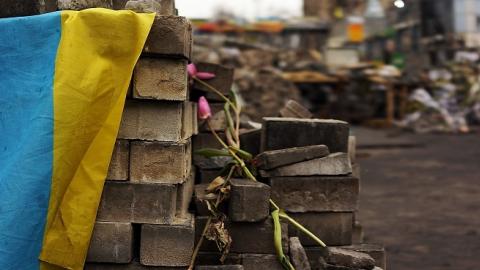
(204, 111)
(192, 70)
(205, 75)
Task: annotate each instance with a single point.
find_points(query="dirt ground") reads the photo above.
(422, 202)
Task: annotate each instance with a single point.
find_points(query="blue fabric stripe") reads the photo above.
(28, 49)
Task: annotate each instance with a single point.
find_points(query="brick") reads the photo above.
(219, 267)
(212, 163)
(167, 245)
(118, 169)
(316, 193)
(247, 237)
(334, 229)
(15, 8)
(111, 242)
(160, 79)
(250, 141)
(298, 256)
(377, 252)
(201, 208)
(138, 203)
(83, 4)
(218, 121)
(162, 7)
(276, 158)
(206, 140)
(280, 133)
(170, 35)
(349, 258)
(154, 121)
(206, 176)
(190, 119)
(184, 196)
(223, 78)
(131, 266)
(333, 164)
(261, 262)
(249, 201)
(316, 257)
(160, 162)
(293, 109)
(213, 258)
(352, 148)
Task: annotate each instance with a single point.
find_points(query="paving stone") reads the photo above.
(213, 258)
(349, 258)
(334, 229)
(162, 7)
(160, 162)
(83, 4)
(184, 196)
(249, 201)
(154, 121)
(261, 262)
(219, 267)
(250, 141)
(223, 78)
(170, 35)
(248, 237)
(200, 196)
(167, 245)
(352, 148)
(111, 242)
(316, 193)
(160, 79)
(280, 133)
(118, 169)
(377, 252)
(218, 121)
(298, 256)
(333, 164)
(276, 158)
(293, 109)
(138, 203)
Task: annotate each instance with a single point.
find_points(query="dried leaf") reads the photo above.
(218, 233)
(215, 184)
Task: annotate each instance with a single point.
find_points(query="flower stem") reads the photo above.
(213, 89)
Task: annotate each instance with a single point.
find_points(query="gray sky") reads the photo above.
(249, 9)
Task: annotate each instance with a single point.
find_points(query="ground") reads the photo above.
(420, 196)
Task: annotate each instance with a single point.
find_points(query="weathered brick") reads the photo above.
(163, 7)
(160, 79)
(223, 78)
(160, 162)
(249, 201)
(83, 4)
(154, 121)
(339, 256)
(131, 266)
(111, 242)
(167, 245)
(206, 176)
(276, 158)
(138, 203)
(294, 109)
(261, 262)
(280, 133)
(212, 163)
(200, 196)
(377, 252)
(184, 196)
(218, 121)
(334, 229)
(256, 237)
(170, 35)
(219, 267)
(316, 193)
(206, 140)
(333, 164)
(119, 163)
(250, 141)
(190, 119)
(298, 256)
(213, 258)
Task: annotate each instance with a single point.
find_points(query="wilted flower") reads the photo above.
(193, 72)
(204, 111)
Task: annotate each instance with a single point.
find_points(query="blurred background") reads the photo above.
(404, 73)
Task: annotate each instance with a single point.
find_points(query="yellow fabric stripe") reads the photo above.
(95, 60)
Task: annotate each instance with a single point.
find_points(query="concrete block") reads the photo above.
(250, 141)
(377, 252)
(205, 176)
(276, 158)
(190, 119)
(160, 162)
(298, 256)
(184, 196)
(162, 7)
(261, 262)
(280, 133)
(249, 201)
(219, 267)
(248, 237)
(316, 193)
(118, 169)
(352, 148)
(111, 242)
(293, 109)
(167, 245)
(83, 4)
(334, 229)
(206, 140)
(160, 79)
(218, 121)
(138, 203)
(153, 121)
(200, 196)
(333, 164)
(223, 77)
(170, 35)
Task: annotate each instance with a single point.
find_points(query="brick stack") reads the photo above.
(143, 220)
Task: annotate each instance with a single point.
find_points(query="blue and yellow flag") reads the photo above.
(63, 82)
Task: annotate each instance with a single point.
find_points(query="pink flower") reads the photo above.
(192, 71)
(204, 111)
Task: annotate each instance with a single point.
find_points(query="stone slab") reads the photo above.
(293, 109)
(171, 36)
(111, 242)
(276, 158)
(376, 251)
(349, 258)
(298, 256)
(119, 164)
(249, 201)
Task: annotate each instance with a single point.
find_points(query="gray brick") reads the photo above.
(334, 229)
(138, 203)
(280, 133)
(250, 141)
(298, 256)
(160, 162)
(160, 79)
(170, 35)
(131, 266)
(376, 251)
(111, 242)
(261, 262)
(167, 245)
(118, 169)
(201, 208)
(294, 109)
(276, 158)
(206, 176)
(184, 196)
(222, 82)
(316, 193)
(249, 201)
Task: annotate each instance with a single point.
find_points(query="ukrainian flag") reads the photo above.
(63, 82)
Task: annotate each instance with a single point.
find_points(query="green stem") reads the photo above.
(213, 89)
